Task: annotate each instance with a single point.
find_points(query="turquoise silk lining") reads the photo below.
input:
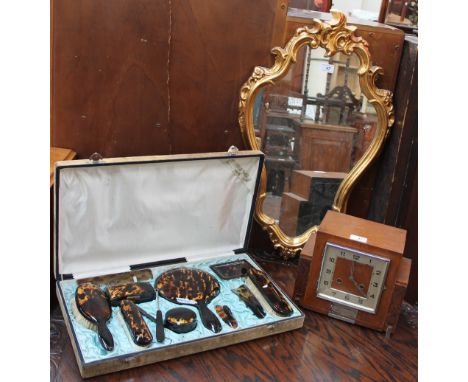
(91, 349)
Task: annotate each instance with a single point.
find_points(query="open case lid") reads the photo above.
(121, 213)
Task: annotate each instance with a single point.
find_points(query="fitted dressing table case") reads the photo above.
(131, 219)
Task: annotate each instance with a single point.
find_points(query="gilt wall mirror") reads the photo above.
(320, 120)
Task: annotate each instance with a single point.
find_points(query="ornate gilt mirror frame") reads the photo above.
(334, 36)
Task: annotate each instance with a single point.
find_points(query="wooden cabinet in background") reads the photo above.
(326, 147)
(146, 77)
(385, 47)
(395, 199)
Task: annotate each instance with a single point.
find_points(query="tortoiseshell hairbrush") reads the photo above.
(93, 305)
(139, 331)
(137, 292)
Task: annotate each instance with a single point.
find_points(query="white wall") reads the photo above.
(349, 5)
(371, 5)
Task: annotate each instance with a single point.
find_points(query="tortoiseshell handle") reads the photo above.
(105, 336)
(250, 300)
(208, 318)
(137, 292)
(140, 332)
(272, 295)
(159, 327)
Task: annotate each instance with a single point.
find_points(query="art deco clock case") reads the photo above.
(355, 271)
(171, 222)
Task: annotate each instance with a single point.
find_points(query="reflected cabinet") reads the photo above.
(320, 120)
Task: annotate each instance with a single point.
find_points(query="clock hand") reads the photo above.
(351, 277)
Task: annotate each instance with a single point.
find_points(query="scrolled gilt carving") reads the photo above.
(334, 36)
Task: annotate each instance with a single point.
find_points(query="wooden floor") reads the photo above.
(323, 350)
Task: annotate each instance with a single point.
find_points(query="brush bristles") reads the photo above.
(80, 318)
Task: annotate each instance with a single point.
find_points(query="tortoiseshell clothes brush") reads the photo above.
(92, 310)
(139, 331)
(137, 292)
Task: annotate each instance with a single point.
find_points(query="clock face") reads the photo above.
(352, 278)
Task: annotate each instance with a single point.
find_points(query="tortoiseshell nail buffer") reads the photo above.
(226, 315)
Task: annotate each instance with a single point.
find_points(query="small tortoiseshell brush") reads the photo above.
(136, 325)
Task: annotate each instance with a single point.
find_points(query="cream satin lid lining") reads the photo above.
(113, 216)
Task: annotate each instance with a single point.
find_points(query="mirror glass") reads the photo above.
(313, 125)
(402, 13)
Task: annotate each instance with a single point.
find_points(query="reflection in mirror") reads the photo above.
(313, 125)
(402, 13)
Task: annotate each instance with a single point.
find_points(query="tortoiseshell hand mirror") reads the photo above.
(194, 287)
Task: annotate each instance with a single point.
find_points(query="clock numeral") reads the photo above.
(378, 273)
(332, 259)
(360, 301)
(372, 296)
(333, 293)
(346, 297)
(328, 271)
(342, 253)
(355, 257)
(325, 282)
(375, 285)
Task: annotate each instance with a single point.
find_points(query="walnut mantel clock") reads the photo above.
(353, 269)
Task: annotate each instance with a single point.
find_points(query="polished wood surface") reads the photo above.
(395, 199)
(400, 153)
(378, 236)
(381, 240)
(149, 77)
(323, 350)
